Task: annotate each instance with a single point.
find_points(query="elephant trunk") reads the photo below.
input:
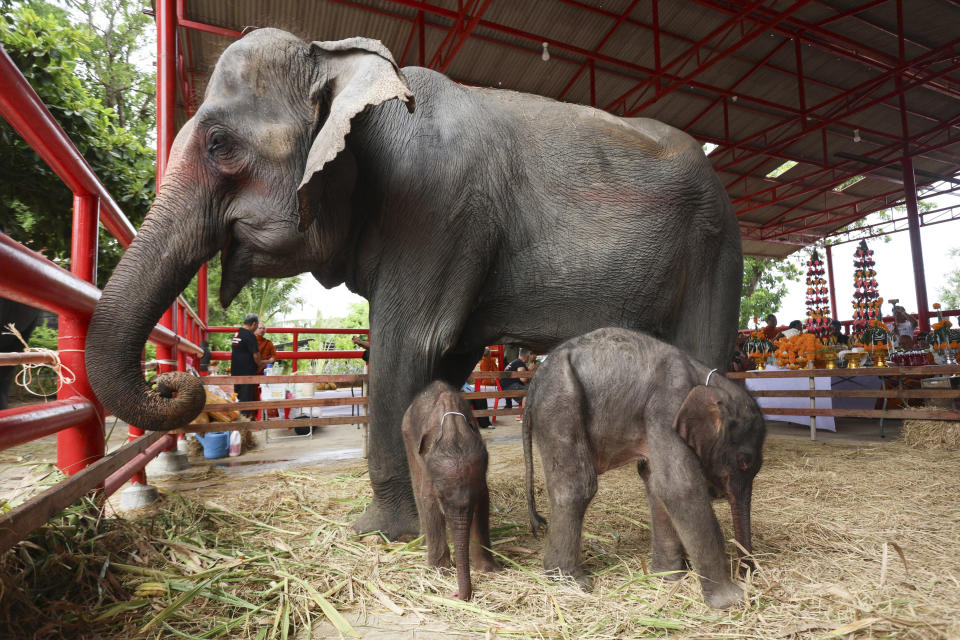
(460, 527)
(740, 499)
(156, 267)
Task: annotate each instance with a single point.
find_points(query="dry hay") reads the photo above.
(931, 434)
(854, 542)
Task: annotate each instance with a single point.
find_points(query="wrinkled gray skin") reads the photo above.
(448, 465)
(480, 217)
(615, 396)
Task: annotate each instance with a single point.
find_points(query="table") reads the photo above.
(823, 423)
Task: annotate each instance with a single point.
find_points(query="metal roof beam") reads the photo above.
(441, 62)
(888, 150)
(833, 43)
(738, 20)
(596, 49)
(864, 89)
(656, 31)
(884, 204)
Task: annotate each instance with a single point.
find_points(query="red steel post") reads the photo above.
(182, 330)
(80, 444)
(295, 349)
(166, 11)
(166, 131)
(202, 298)
(916, 248)
(831, 283)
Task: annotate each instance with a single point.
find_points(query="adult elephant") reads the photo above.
(480, 217)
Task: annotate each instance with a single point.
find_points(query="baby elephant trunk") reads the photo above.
(740, 510)
(460, 527)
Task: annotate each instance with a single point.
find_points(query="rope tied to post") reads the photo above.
(25, 376)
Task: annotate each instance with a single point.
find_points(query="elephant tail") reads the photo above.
(536, 520)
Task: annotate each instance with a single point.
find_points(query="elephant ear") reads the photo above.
(700, 418)
(357, 73)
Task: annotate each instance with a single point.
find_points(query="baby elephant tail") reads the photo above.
(536, 520)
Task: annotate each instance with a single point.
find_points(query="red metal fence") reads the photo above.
(76, 416)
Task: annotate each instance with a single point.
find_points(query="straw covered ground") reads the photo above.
(851, 541)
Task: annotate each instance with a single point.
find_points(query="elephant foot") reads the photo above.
(397, 523)
(579, 576)
(721, 595)
(673, 570)
(485, 564)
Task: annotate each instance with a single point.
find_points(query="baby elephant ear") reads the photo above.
(700, 419)
(354, 74)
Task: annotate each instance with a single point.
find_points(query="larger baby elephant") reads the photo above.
(448, 462)
(614, 396)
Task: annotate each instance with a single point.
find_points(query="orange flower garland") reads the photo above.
(795, 351)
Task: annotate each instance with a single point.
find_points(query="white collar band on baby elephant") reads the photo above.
(450, 413)
(707, 383)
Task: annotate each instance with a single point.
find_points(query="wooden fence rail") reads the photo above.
(898, 373)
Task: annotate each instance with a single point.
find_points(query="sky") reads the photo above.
(894, 269)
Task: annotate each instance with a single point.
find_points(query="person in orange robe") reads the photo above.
(268, 355)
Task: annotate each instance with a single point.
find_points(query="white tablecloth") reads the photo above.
(824, 423)
(278, 391)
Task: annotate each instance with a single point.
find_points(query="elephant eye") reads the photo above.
(217, 143)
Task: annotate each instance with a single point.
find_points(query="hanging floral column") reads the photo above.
(868, 328)
(818, 321)
(866, 302)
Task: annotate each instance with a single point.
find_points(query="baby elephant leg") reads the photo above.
(480, 557)
(571, 484)
(432, 522)
(676, 479)
(667, 548)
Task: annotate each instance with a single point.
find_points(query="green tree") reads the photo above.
(35, 205)
(266, 297)
(116, 32)
(950, 294)
(764, 286)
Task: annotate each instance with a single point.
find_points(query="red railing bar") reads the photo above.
(299, 355)
(41, 283)
(24, 424)
(24, 518)
(297, 329)
(118, 478)
(22, 108)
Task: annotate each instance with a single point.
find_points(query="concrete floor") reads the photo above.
(346, 442)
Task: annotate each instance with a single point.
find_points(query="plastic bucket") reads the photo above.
(215, 445)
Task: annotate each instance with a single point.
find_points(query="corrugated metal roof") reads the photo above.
(730, 78)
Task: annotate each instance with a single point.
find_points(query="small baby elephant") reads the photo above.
(448, 464)
(615, 396)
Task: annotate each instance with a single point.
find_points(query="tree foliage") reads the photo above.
(116, 31)
(764, 286)
(266, 297)
(950, 294)
(35, 205)
(357, 318)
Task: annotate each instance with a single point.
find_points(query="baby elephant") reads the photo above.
(614, 396)
(448, 464)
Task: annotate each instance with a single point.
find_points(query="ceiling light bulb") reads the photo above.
(856, 135)
(545, 56)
